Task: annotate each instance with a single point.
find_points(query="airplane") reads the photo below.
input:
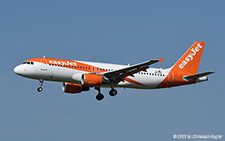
(78, 76)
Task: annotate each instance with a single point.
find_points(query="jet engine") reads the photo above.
(92, 80)
(73, 88)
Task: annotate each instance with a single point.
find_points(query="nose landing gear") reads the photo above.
(39, 89)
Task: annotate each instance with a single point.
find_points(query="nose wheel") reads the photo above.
(39, 89)
(99, 96)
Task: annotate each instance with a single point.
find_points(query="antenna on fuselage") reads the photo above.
(44, 56)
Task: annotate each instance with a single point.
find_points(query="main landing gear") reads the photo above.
(113, 92)
(100, 96)
(39, 89)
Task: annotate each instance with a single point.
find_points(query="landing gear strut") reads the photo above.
(99, 96)
(39, 89)
(113, 92)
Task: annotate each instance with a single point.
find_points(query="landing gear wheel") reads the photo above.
(99, 96)
(39, 89)
(113, 92)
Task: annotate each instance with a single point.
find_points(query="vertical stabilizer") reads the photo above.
(189, 62)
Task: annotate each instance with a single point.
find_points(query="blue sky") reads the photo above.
(120, 32)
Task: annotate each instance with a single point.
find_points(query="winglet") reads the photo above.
(160, 60)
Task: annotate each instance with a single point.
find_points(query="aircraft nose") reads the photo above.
(17, 70)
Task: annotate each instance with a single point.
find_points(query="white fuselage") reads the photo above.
(148, 80)
(79, 76)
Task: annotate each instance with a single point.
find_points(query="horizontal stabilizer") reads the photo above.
(197, 76)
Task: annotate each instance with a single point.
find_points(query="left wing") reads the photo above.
(119, 75)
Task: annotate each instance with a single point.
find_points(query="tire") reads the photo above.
(113, 92)
(99, 96)
(39, 89)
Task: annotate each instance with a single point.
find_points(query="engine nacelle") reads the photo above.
(77, 77)
(73, 88)
(201, 79)
(92, 80)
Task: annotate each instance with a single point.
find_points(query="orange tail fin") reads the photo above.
(189, 62)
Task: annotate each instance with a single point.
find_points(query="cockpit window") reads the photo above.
(29, 63)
